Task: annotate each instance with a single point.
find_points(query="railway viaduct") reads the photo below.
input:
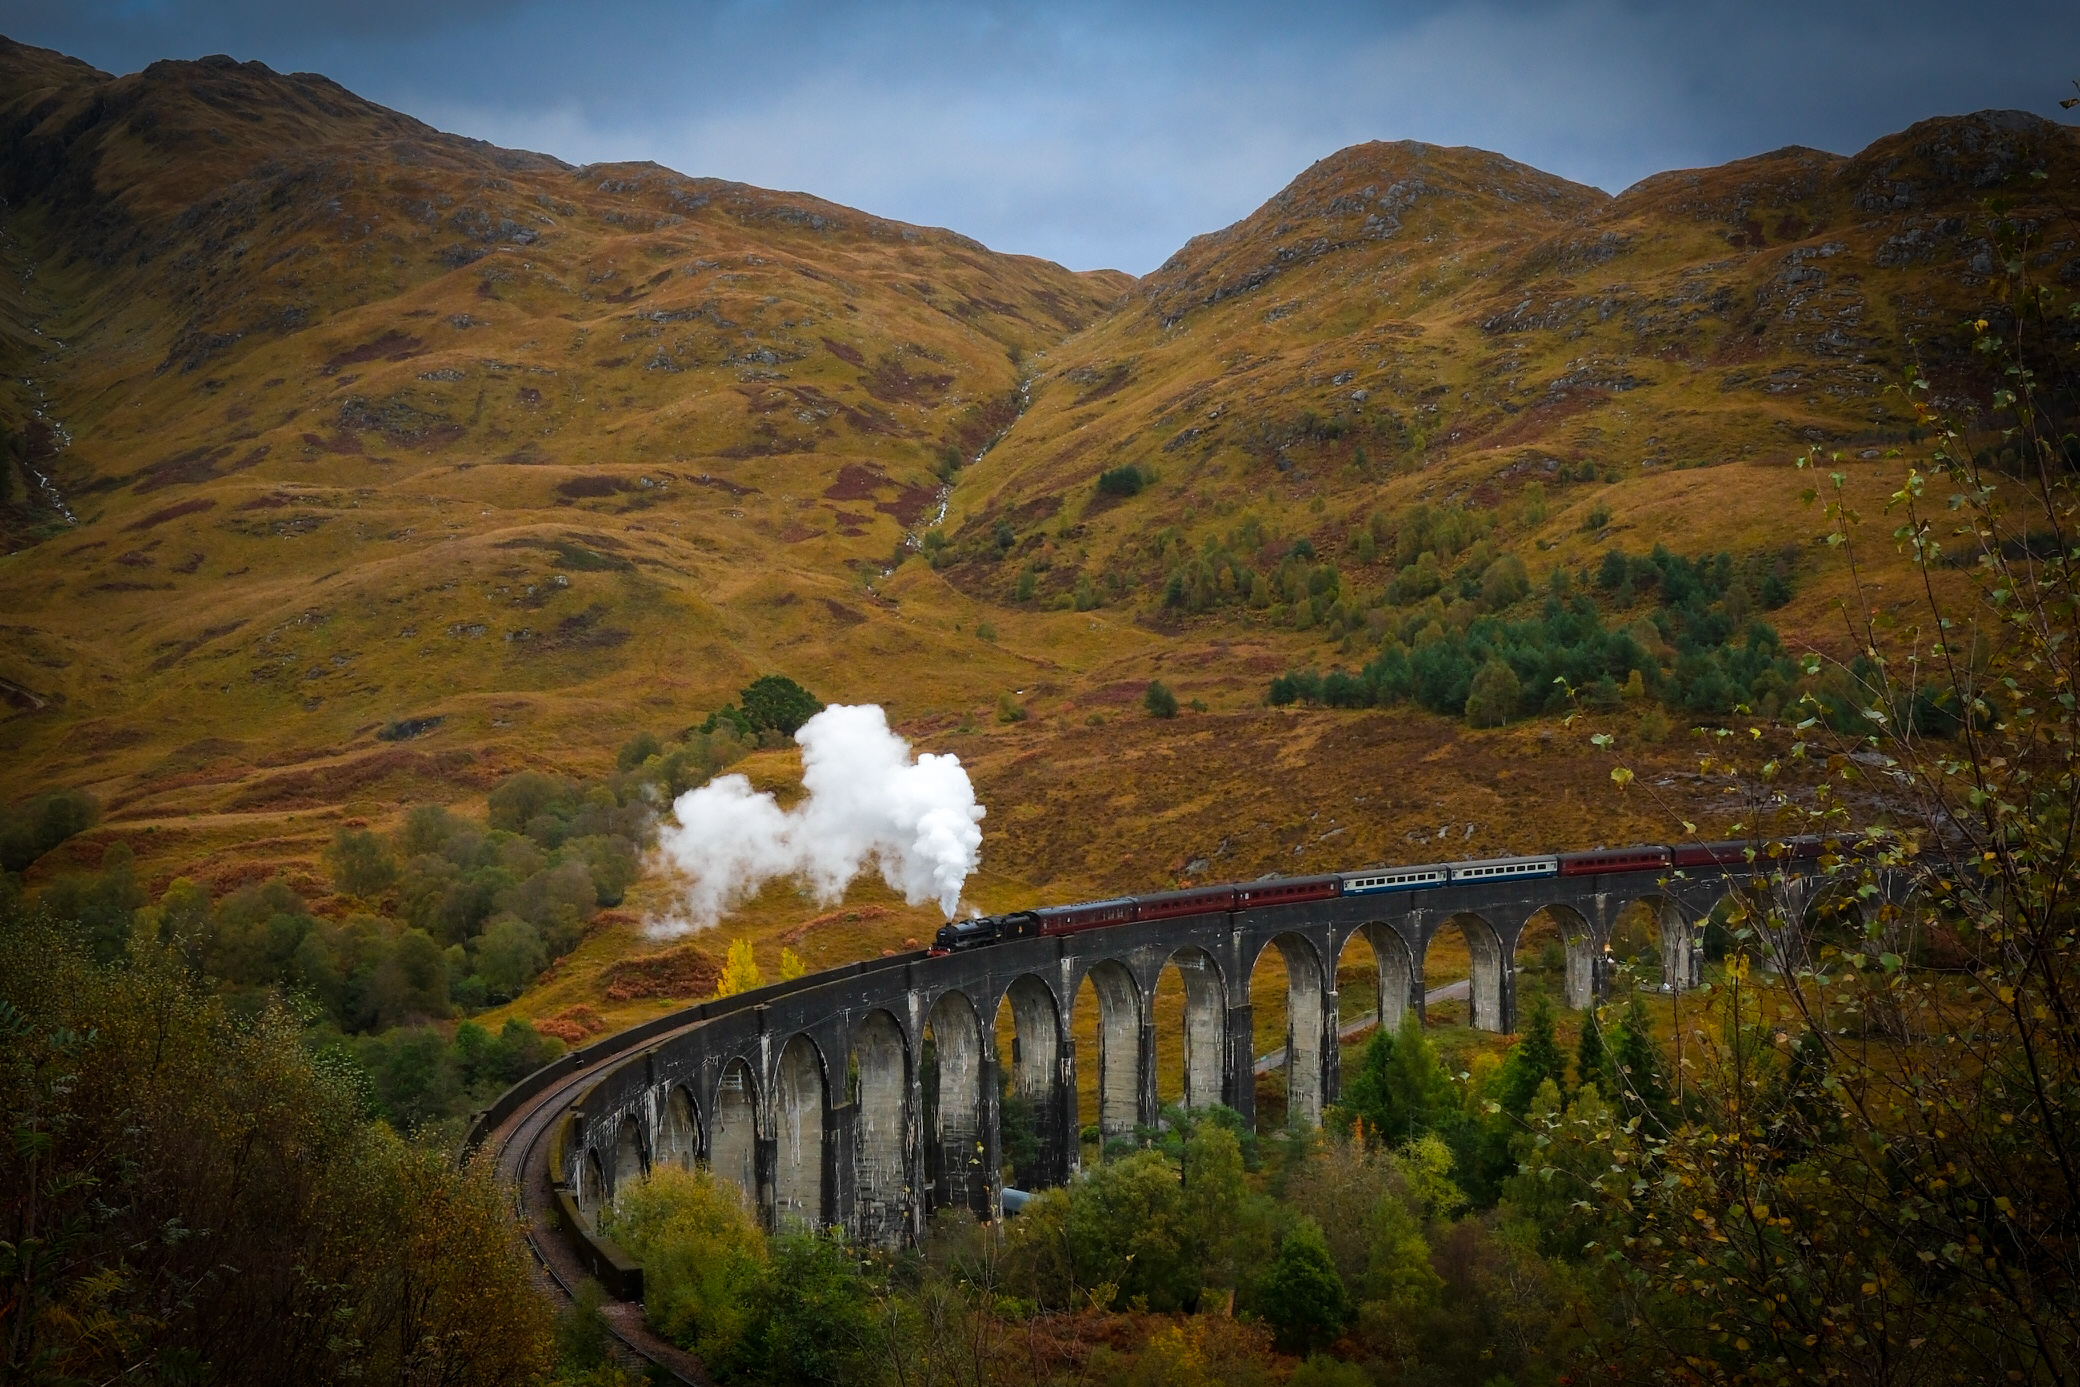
(816, 1098)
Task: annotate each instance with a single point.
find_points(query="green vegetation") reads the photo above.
(772, 703)
(1697, 651)
(1122, 481)
(33, 828)
(193, 1194)
(431, 923)
(1206, 1248)
(1159, 700)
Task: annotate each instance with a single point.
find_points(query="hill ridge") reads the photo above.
(375, 441)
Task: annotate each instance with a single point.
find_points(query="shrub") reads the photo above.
(808, 1316)
(1320, 1370)
(1532, 503)
(104, 905)
(740, 970)
(522, 797)
(1126, 1226)
(1504, 582)
(636, 750)
(1010, 710)
(1159, 701)
(146, 1112)
(31, 829)
(1494, 695)
(361, 862)
(1301, 1296)
(775, 702)
(427, 829)
(701, 1251)
(1122, 481)
(509, 955)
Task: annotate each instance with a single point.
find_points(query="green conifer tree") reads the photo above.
(1590, 1062)
(1422, 1091)
(1366, 1095)
(1637, 1068)
(1532, 1060)
(1301, 1296)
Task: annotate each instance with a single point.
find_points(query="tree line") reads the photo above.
(1696, 650)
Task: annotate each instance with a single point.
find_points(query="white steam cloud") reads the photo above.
(866, 798)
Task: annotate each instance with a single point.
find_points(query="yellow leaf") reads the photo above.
(1621, 776)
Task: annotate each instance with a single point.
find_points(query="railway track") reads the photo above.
(514, 1146)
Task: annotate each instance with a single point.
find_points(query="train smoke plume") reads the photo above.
(866, 799)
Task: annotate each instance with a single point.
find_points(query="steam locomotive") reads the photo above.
(1255, 895)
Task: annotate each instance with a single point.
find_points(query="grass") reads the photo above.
(280, 557)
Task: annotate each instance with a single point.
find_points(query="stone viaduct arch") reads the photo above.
(678, 1130)
(1205, 1026)
(1042, 1071)
(1310, 1023)
(735, 1143)
(879, 1077)
(955, 1158)
(868, 1096)
(799, 1099)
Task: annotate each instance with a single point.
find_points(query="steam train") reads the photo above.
(1254, 895)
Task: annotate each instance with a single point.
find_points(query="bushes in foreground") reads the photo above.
(1200, 1257)
(191, 1195)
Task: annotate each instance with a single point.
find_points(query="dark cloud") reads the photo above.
(1108, 134)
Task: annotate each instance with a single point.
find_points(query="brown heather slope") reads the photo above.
(362, 423)
(1408, 323)
(363, 430)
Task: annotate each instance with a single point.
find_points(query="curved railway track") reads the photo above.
(513, 1147)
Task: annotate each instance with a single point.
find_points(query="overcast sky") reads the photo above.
(1105, 135)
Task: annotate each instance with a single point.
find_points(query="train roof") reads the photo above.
(1274, 882)
(1187, 892)
(1085, 905)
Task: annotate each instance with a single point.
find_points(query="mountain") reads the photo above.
(351, 463)
(1406, 323)
(325, 422)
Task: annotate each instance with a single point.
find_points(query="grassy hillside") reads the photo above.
(352, 465)
(1408, 324)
